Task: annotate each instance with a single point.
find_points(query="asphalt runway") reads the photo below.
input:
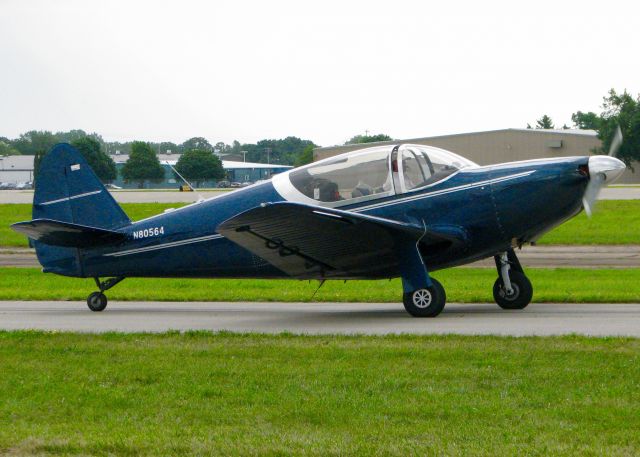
(324, 318)
(627, 256)
(26, 196)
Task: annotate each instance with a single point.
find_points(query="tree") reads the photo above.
(586, 121)
(284, 151)
(306, 156)
(199, 165)
(621, 110)
(35, 142)
(102, 165)
(358, 139)
(545, 122)
(236, 147)
(197, 142)
(72, 135)
(6, 149)
(143, 164)
(221, 148)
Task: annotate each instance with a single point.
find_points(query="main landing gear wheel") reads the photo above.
(519, 298)
(427, 302)
(97, 301)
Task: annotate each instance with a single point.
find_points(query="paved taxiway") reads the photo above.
(324, 318)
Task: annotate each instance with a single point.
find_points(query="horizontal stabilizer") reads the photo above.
(66, 234)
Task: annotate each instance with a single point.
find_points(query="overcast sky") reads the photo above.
(325, 70)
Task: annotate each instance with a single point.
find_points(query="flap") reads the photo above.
(312, 241)
(66, 234)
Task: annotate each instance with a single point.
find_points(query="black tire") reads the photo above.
(522, 291)
(427, 302)
(97, 301)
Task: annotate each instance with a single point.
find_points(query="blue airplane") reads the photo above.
(381, 212)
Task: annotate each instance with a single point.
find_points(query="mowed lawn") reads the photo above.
(569, 285)
(615, 222)
(224, 394)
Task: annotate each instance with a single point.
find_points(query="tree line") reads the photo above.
(286, 151)
(196, 165)
(199, 159)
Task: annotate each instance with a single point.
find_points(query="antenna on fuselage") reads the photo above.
(200, 197)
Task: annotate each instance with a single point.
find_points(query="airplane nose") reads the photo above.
(610, 167)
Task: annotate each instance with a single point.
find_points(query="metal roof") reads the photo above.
(578, 132)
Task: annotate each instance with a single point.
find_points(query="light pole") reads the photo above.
(268, 151)
(244, 156)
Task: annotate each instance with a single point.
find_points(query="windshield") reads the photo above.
(425, 165)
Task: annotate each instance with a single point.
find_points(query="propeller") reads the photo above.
(602, 169)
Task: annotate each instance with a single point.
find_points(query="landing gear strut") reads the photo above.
(97, 301)
(512, 289)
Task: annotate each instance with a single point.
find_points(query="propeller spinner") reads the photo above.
(602, 170)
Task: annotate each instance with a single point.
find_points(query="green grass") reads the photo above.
(225, 394)
(616, 222)
(11, 213)
(462, 285)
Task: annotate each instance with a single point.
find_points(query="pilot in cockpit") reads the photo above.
(407, 172)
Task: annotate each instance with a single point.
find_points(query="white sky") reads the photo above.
(324, 70)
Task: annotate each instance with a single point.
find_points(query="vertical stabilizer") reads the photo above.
(68, 190)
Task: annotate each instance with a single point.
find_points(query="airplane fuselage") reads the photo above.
(494, 207)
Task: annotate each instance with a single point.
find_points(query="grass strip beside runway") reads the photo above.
(615, 222)
(562, 285)
(224, 394)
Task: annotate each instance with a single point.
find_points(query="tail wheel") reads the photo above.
(519, 298)
(428, 302)
(97, 301)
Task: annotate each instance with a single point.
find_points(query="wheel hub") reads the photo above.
(422, 298)
(515, 292)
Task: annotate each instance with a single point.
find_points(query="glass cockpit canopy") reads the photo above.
(374, 173)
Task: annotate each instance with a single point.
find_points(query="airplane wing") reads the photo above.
(311, 241)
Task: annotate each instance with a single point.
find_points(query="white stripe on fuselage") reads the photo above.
(172, 244)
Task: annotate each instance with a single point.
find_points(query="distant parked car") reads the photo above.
(235, 184)
(112, 186)
(3, 185)
(245, 184)
(223, 184)
(22, 186)
(9, 185)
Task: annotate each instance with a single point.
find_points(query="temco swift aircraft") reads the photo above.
(382, 212)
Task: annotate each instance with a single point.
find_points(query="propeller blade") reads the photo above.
(616, 142)
(601, 169)
(591, 193)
